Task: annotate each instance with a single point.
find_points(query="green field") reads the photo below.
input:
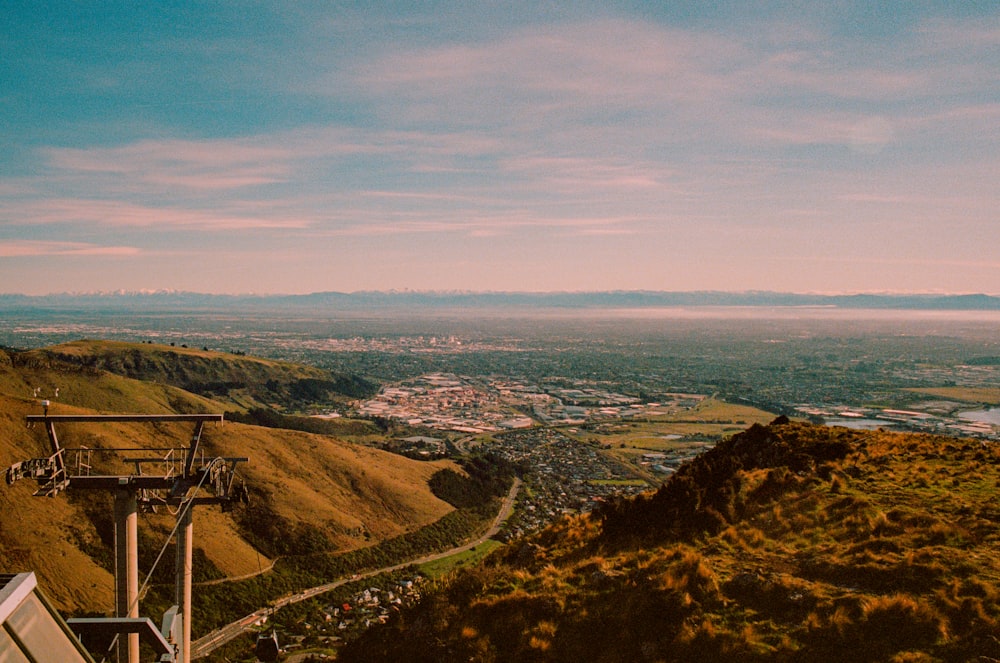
(990, 395)
(471, 557)
(617, 482)
(711, 419)
(687, 431)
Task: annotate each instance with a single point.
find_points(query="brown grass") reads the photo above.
(869, 553)
(989, 395)
(356, 495)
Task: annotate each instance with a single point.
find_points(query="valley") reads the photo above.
(359, 427)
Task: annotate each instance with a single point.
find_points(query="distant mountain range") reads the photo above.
(382, 300)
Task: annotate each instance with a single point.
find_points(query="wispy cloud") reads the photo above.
(608, 63)
(479, 224)
(214, 164)
(794, 86)
(36, 248)
(607, 231)
(581, 174)
(718, 135)
(540, 75)
(298, 158)
(116, 213)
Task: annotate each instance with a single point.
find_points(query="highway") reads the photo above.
(205, 645)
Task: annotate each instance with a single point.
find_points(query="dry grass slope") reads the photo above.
(237, 380)
(333, 493)
(787, 542)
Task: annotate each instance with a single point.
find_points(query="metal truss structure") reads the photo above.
(169, 477)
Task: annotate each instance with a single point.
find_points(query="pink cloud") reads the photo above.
(586, 174)
(672, 80)
(28, 248)
(200, 165)
(120, 213)
(290, 157)
(473, 225)
(607, 231)
(602, 60)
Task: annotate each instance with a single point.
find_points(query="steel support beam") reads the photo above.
(104, 418)
(127, 568)
(130, 491)
(184, 572)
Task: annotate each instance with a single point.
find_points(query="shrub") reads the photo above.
(880, 629)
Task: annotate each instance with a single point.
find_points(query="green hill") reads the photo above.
(311, 492)
(787, 542)
(238, 379)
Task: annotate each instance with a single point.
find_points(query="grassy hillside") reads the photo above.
(786, 542)
(310, 492)
(238, 379)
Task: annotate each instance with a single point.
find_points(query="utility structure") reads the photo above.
(180, 473)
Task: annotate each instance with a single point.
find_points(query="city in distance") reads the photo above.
(900, 365)
(587, 406)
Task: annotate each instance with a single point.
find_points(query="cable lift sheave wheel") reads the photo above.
(266, 649)
(266, 645)
(171, 483)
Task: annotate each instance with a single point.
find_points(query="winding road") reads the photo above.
(205, 645)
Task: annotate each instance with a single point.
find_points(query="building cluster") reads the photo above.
(346, 620)
(578, 406)
(440, 401)
(562, 476)
(478, 405)
(419, 447)
(938, 417)
(420, 344)
(666, 462)
(958, 375)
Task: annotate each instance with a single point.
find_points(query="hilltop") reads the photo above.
(310, 492)
(233, 378)
(787, 542)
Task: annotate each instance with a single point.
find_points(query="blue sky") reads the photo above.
(292, 147)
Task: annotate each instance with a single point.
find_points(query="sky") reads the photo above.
(296, 147)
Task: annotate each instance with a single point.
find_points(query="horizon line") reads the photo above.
(122, 292)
